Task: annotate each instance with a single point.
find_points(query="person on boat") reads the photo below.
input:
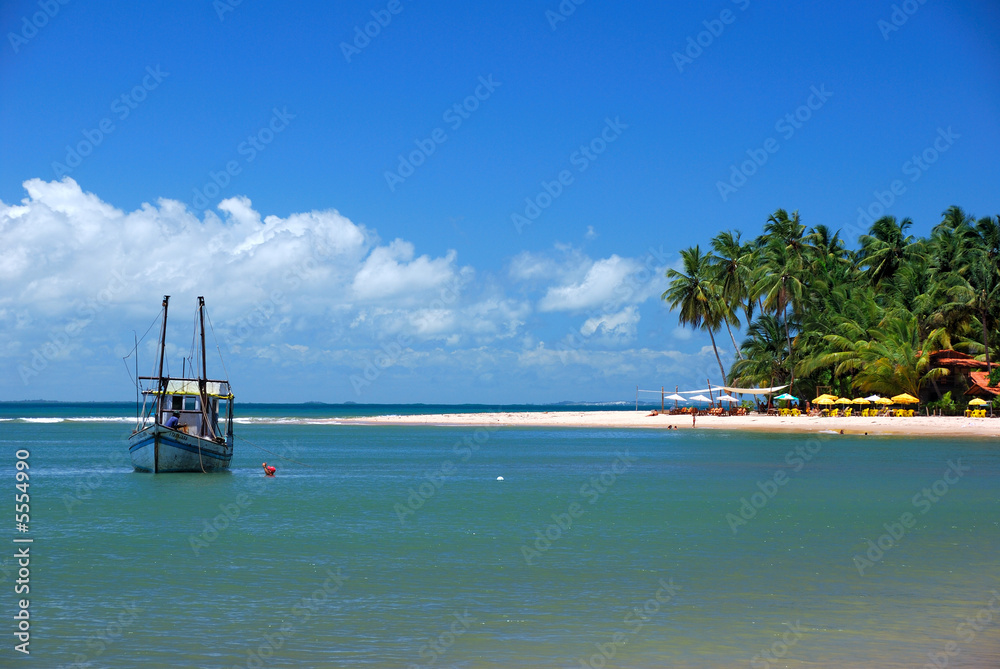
(269, 471)
(173, 420)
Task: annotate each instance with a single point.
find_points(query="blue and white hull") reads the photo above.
(159, 449)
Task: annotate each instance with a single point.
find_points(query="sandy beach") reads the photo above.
(952, 426)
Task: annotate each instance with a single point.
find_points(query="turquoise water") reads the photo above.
(396, 546)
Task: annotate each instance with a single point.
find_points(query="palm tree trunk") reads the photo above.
(986, 343)
(791, 367)
(737, 348)
(714, 348)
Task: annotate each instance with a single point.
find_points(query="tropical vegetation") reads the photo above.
(820, 314)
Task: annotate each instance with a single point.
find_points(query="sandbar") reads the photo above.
(950, 426)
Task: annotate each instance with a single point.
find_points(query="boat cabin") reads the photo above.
(183, 396)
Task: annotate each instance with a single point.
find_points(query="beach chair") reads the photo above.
(848, 412)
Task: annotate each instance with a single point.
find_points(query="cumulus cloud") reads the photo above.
(69, 260)
(311, 290)
(598, 286)
(390, 271)
(62, 245)
(620, 325)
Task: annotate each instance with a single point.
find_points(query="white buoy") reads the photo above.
(499, 478)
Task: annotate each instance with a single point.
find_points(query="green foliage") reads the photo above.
(995, 377)
(818, 313)
(945, 406)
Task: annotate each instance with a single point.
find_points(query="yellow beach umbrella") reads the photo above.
(825, 396)
(844, 400)
(905, 398)
(860, 400)
(883, 400)
(823, 400)
(978, 402)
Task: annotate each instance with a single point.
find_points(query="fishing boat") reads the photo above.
(178, 429)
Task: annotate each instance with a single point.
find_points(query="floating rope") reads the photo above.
(271, 452)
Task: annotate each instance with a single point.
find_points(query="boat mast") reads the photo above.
(163, 347)
(202, 381)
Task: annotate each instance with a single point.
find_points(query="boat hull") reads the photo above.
(158, 449)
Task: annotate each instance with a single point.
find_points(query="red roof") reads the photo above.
(950, 358)
(980, 381)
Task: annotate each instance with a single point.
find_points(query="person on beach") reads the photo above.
(268, 471)
(694, 416)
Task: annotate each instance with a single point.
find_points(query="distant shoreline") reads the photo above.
(916, 426)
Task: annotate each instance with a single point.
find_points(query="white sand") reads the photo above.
(952, 426)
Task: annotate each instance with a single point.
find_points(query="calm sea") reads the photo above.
(391, 546)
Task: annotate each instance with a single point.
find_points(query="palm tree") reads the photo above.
(764, 355)
(885, 248)
(693, 292)
(818, 313)
(976, 298)
(889, 358)
(730, 277)
(787, 231)
(779, 281)
(988, 237)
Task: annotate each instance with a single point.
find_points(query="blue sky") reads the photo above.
(476, 203)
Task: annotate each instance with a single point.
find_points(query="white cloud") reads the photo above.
(527, 266)
(619, 325)
(62, 245)
(599, 286)
(308, 292)
(390, 271)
